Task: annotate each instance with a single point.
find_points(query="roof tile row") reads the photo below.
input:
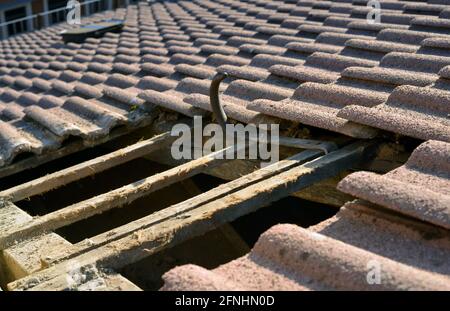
(279, 54)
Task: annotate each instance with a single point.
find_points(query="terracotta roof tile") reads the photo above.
(381, 47)
(50, 101)
(87, 91)
(121, 81)
(420, 188)
(389, 76)
(233, 110)
(93, 78)
(62, 87)
(99, 67)
(28, 99)
(415, 62)
(123, 96)
(197, 71)
(171, 102)
(405, 36)
(158, 70)
(16, 141)
(41, 84)
(309, 48)
(282, 40)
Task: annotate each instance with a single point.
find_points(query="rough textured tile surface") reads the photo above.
(287, 257)
(420, 188)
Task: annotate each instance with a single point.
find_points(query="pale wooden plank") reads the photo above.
(89, 279)
(30, 256)
(22, 259)
(324, 192)
(88, 168)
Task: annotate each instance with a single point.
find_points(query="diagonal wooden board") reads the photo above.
(88, 168)
(112, 199)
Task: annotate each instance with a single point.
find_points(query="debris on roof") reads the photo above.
(317, 66)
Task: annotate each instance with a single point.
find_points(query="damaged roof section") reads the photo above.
(401, 231)
(288, 257)
(314, 62)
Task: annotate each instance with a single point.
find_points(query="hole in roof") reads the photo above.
(137, 209)
(91, 186)
(103, 182)
(291, 210)
(216, 247)
(209, 250)
(225, 243)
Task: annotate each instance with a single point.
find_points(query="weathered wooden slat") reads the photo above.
(91, 280)
(157, 235)
(113, 199)
(183, 207)
(227, 230)
(88, 168)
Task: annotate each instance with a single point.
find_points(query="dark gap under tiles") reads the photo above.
(409, 143)
(210, 250)
(290, 210)
(22, 156)
(226, 243)
(287, 210)
(50, 167)
(116, 217)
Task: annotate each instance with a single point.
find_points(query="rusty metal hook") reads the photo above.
(214, 99)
